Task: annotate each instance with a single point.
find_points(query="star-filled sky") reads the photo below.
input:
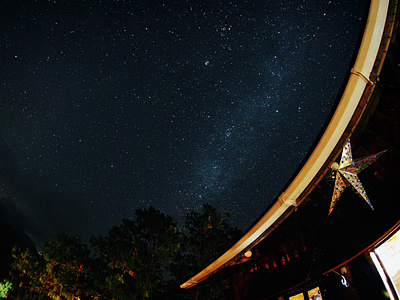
(110, 106)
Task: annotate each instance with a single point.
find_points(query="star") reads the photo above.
(346, 174)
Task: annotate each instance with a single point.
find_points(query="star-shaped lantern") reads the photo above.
(346, 174)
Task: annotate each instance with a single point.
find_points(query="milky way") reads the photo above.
(111, 106)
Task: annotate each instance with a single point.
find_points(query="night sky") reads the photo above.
(110, 106)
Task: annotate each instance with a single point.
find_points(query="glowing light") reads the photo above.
(248, 254)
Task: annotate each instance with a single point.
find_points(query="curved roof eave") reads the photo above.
(358, 80)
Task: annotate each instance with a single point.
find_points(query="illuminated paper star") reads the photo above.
(346, 174)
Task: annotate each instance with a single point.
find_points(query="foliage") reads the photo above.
(134, 260)
(4, 288)
(138, 253)
(64, 271)
(206, 235)
(27, 269)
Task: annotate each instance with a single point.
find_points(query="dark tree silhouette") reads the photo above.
(138, 253)
(142, 258)
(206, 235)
